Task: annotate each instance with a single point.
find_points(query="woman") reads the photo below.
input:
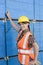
(27, 47)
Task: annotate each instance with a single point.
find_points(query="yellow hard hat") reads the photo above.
(23, 19)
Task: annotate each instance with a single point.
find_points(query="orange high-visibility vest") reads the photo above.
(24, 52)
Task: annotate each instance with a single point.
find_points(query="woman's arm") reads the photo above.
(35, 45)
(12, 22)
(36, 50)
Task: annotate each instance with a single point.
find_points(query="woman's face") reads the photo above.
(24, 26)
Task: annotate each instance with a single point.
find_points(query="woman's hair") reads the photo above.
(29, 27)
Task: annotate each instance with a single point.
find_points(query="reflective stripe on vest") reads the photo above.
(23, 59)
(24, 44)
(26, 51)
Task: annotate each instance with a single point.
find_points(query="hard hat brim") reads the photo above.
(24, 22)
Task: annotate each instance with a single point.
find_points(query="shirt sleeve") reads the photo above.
(31, 40)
